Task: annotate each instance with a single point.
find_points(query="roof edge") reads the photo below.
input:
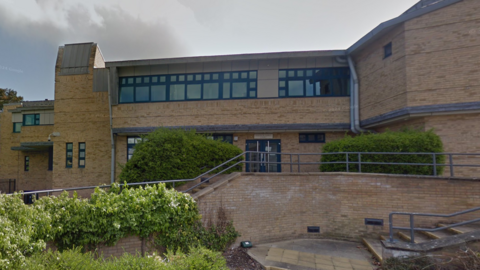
(400, 19)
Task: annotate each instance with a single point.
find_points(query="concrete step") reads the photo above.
(419, 237)
(462, 229)
(375, 247)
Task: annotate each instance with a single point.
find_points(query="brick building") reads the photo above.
(420, 69)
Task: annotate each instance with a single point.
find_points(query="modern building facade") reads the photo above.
(420, 69)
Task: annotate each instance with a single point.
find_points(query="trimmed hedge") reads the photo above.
(169, 154)
(405, 141)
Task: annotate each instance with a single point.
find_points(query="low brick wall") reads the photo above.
(271, 207)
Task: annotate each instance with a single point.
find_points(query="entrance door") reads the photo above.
(264, 155)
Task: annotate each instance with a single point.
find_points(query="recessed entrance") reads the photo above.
(267, 153)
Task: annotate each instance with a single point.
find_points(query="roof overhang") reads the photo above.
(234, 57)
(242, 128)
(24, 109)
(414, 12)
(33, 146)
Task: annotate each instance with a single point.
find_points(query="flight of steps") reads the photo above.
(206, 184)
(376, 247)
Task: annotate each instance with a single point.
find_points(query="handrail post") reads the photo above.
(412, 229)
(390, 219)
(434, 165)
(291, 165)
(348, 169)
(359, 162)
(451, 164)
(298, 156)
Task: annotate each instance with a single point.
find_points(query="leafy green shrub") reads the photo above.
(167, 154)
(23, 231)
(199, 258)
(411, 263)
(111, 215)
(404, 142)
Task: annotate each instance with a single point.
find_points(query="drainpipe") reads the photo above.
(354, 100)
(112, 165)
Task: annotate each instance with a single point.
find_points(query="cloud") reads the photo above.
(119, 34)
(211, 13)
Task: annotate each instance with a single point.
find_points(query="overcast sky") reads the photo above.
(32, 30)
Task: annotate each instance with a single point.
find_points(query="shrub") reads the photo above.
(404, 142)
(199, 258)
(23, 230)
(167, 154)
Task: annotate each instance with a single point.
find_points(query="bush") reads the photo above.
(199, 258)
(167, 154)
(404, 142)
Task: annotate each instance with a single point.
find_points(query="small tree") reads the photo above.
(8, 95)
(167, 154)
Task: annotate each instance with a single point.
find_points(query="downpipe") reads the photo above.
(112, 165)
(355, 101)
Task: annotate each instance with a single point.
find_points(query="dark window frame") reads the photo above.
(137, 139)
(36, 120)
(19, 130)
(250, 77)
(69, 165)
(387, 50)
(319, 138)
(314, 76)
(80, 151)
(27, 163)
(224, 137)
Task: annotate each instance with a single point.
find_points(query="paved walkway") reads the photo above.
(312, 254)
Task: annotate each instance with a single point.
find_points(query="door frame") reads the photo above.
(279, 157)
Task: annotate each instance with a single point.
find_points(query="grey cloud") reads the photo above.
(120, 35)
(211, 13)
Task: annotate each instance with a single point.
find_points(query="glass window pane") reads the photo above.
(130, 80)
(190, 78)
(142, 94)
(253, 74)
(29, 120)
(226, 90)
(181, 78)
(309, 73)
(159, 92)
(154, 79)
(138, 80)
(69, 154)
(235, 75)
(210, 90)
(124, 81)
(244, 75)
(252, 93)
(215, 76)
(206, 77)
(226, 76)
(131, 140)
(291, 73)
(194, 91)
(310, 87)
(131, 150)
(282, 74)
(239, 89)
(81, 162)
(325, 88)
(317, 88)
(130, 157)
(300, 73)
(138, 140)
(295, 88)
(177, 92)
(302, 137)
(82, 154)
(198, 77)
(163, 78)
(253, 84)
(126, 94)
(281, 83)
(281, 93)
(173, 78)
(82, 146)
(146, 79)
(17, 127)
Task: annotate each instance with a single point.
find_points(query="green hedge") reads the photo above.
(405, 141)
(168, 154)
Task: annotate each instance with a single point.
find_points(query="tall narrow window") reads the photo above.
(69, 155)
(27, 163)
(387, 49)
(81, 155)
(17, 127)
(131, 142)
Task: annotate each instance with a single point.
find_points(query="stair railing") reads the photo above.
(412, 227)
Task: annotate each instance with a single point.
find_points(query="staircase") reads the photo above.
(381, 248)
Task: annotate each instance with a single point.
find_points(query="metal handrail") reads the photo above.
(298, 163)
(412, 228)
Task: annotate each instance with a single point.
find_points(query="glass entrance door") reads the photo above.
(266, 150)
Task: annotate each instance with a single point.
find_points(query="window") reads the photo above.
(81, 155)
(131, 142)
(387, 49)
(31, 119)
(180, 87)
(27, 163)
(17, 127)
(314, 82)
(69, 161)
(311, 137)
(222, 137)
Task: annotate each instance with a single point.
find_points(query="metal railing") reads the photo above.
(413, 229)
(8, 185)
(292, 163)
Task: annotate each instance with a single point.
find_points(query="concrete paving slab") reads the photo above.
(304, 254)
